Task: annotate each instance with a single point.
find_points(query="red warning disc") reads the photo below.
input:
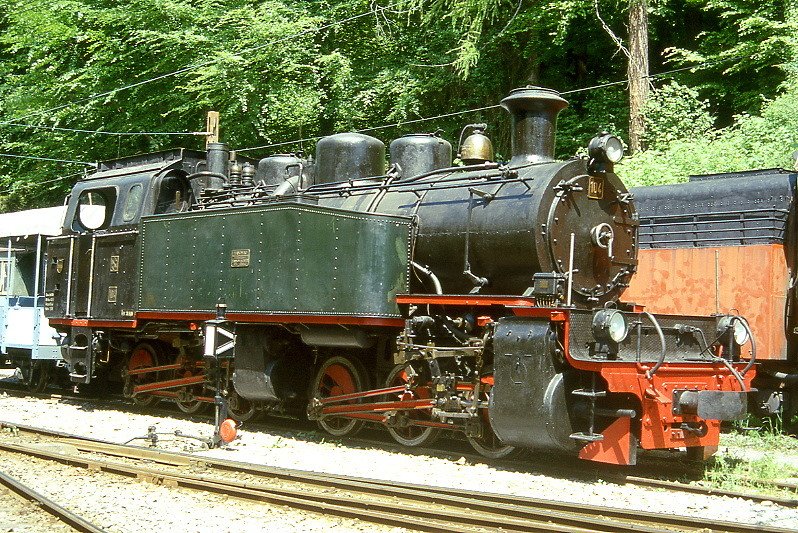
(227, 431)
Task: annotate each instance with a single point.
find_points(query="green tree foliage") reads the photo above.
(281, 70)
(751, 41)
(84, 48)
(765, 140)
(684, 144)
(675, 112)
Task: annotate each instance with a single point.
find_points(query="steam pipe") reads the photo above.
(788, 379)
(430, 274)
(733, 372)
(321, 187)
(650, 373)
(215, 180)
(290, 186)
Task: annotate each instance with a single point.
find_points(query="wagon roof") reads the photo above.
(45, 221)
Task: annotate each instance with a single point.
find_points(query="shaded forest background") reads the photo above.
(724, 78)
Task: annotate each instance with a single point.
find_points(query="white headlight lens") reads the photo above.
(617, 327)
(740, 333)
(605, 148)
(609, 325)
(613, 147)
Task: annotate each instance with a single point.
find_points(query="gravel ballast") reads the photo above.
(298, 450)
(120, 504)
(20, 516)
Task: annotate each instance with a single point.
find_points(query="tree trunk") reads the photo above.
(792, 19)
(638, 72)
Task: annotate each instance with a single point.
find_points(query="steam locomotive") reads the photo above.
(480, 298)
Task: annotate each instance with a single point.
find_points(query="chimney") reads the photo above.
(534, 113)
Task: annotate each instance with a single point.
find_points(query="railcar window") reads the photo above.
(4, 268)
(95, 208)
(133, 202)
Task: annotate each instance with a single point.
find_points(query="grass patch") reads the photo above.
(749, 475)
(755, 454)
(765, 435)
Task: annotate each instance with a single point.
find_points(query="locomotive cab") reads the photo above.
(109, 203)
(93, 274)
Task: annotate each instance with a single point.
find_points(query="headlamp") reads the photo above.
(609, 325)
(606, 148)
(738, 330)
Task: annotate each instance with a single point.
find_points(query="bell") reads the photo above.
(476, 148)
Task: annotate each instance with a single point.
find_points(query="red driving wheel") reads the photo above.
(336, 376)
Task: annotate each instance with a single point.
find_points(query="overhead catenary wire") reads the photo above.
(316, 138)
(506, 26)
(495, 106)
(52, 159)
(28, 184)
(189, 68)
(651, 76)
(401, 123)
(101, 132)
(376, 128)
(374, 10)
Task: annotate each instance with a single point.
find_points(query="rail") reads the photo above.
(64, 515)
(420, 507)
(644, 476)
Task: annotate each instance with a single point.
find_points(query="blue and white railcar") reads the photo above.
(27, 342)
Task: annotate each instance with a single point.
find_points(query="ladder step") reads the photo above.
(595, 437)
(589, 393)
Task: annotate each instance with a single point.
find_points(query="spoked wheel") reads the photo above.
(488, 444)
(411, 435)
(240, 409)
(191, 406)
(338, 375)
(38, 376)
(143, 355)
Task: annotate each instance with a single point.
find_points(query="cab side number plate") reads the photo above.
(239, 258)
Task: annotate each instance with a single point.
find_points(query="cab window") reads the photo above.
(94, 210)
(173, 195)
(4, 269)
(132, 203)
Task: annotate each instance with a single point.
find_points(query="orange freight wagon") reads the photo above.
(721, 243)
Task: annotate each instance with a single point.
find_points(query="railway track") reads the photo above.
(419, 507)
(648, 474)
(66, 516)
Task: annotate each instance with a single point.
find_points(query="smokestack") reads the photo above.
(534, 113)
